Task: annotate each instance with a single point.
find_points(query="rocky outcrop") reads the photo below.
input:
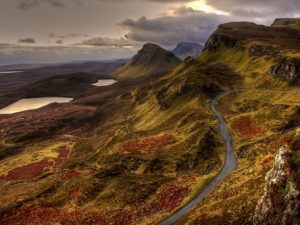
(216, 40)
(280, 203)
(288, 69)
(263, 50)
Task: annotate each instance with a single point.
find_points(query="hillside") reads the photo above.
(262, 116)
(136, 152)
(151, 59)
(108, 157)
(185, 49)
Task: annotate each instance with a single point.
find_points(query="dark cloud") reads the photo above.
(27, 4)
(27, 40)
(72, 35)
(112, 42)
(188, 24)
(265, 10)
(165, 22)
(185, 25)
(170, 1)
(59, 42)
(228, 5)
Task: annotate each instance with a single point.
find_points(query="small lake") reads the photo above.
(32, 103)
(10, 72)
(106, 82)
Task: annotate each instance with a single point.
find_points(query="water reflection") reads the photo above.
(106, 82)
(32, 103)
(9, 72)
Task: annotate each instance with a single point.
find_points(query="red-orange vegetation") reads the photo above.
(267, 161)
(281, 141)
(148, 144)
(37, 168)
(247, 126)
(63, 155)
(75, 173)
(75, 193)
(43, 216)
(28, 171)
(170, 198)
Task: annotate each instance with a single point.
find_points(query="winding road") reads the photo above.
(230, 165)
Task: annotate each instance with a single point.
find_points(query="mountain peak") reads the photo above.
(149, 60)
(151, 46)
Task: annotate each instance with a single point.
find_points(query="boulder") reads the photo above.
(280, 203)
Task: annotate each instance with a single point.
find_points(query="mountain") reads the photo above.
(263, 117)
(287, 22)
(150, 59)
(138, 151)
(185, 49)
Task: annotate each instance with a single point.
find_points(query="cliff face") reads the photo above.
(287, 68)
(216, 40)
(280, 203)
(287, 22)
(264, 42)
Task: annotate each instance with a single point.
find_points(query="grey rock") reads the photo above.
(288, 69)
(280, 203)
(262, 50)
(216, 40)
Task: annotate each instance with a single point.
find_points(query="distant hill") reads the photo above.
(49, 70)
(149, 60)
(185, 49)
(287, 22)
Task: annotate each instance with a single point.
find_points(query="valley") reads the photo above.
(157, 139)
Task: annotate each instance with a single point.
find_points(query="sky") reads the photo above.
(34, 31)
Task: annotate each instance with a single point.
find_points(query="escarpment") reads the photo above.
(216, 40)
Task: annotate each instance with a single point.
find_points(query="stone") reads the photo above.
(287, 69)
(280, 203)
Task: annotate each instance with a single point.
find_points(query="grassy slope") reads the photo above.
(139, 152)
(257, 116)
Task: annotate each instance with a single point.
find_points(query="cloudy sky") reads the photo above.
(68, 30)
